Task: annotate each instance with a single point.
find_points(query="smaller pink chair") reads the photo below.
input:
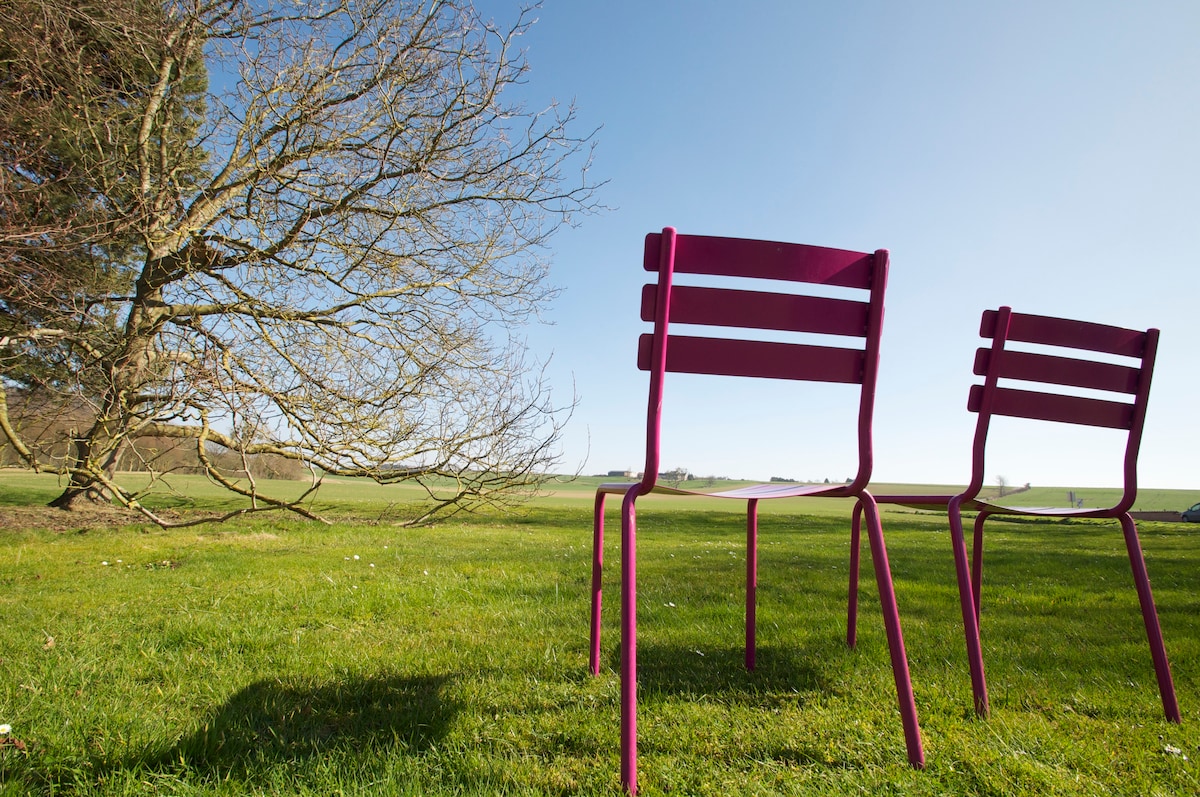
(733, 304)
(1059, 362)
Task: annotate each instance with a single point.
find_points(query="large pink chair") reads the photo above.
(1058, 368)
(666, 305)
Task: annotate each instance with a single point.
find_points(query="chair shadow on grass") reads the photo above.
(721, 672)
(273, 722)
(783, 678)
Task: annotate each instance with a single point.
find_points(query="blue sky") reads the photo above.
(1039, 154)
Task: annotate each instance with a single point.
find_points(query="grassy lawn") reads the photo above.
(273, 656)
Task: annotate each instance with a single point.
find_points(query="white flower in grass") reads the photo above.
(356, 557)
(5, 729)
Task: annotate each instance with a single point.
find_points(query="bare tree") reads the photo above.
(1002, 485)
(326, 256)
(676, 477)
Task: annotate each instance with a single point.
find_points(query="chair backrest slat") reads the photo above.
(756, 358)
(759, 310)
(819, 265)
(1067, 333)
(1054, 407)
(1030, 367)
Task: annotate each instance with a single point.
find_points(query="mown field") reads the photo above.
(361, 499)
(276, 656)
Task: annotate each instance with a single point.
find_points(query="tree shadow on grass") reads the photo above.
(272, 722)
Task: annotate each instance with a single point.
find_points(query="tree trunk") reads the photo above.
(81, 496)
(85, 491)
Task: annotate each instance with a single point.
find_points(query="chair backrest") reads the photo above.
(666, 305)
(1053, 371)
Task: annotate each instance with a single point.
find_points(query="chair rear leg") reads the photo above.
(1162, 668)
(895, 639)
(852, 600)
(966, 599)
(751, 582)
(977, 562)
(597, 569)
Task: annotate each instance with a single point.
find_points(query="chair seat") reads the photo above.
(750, 491)
(991, 507)
(1045, 511)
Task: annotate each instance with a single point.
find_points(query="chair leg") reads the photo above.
(966, 599)
(895, 638)
(751, 581)
(977, 562)
(629, 643)
(852, 600)
(1162, 669)
(597, 568)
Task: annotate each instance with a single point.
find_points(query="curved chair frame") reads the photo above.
(665, 304)
(1059, 376)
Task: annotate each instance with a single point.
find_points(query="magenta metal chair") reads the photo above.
(1060, 363)
(667, 305)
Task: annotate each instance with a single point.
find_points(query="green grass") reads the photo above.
(262, 657)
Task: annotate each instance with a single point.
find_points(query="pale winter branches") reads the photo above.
(325, 256)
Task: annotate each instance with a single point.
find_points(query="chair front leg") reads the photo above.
(629, 684)
(895, 638)
(1162, 668)
(597, 569)
(966, 598)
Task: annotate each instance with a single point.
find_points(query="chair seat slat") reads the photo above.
(1053, 370)
(756, 358)
(1053, 407)
(759, 310)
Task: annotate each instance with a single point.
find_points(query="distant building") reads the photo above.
(623, 474)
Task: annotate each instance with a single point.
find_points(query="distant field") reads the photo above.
(360, 497)
(19, 488)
